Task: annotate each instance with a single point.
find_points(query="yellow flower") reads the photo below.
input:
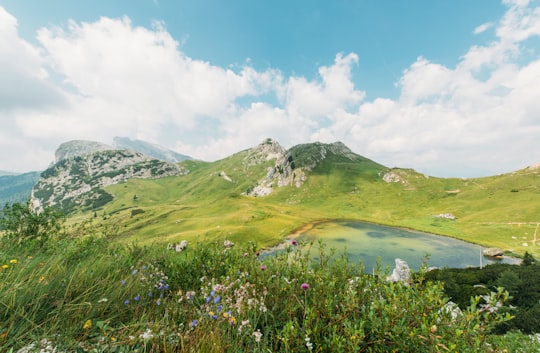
(13, 261)
(5, 266)
(87, 325)
(232, 320)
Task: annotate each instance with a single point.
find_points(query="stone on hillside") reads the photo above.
(493, 252)
(402, 273)
(446, 216)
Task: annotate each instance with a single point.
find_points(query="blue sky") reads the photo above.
(444, 87)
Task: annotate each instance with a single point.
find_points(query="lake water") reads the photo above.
(367, 242)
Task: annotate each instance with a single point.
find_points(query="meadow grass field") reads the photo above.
(87, 294)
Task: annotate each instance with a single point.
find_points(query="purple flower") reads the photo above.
(294, 242)
(158, 302)
(137, 298)
(122, 282)
(263, 267)
(304, 286)
(126, 302)
(217, 299)
(193, 323)
(219, 307)
(135, 272)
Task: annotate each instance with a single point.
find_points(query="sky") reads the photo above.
(448, 88)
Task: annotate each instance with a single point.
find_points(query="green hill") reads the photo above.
(311, 182)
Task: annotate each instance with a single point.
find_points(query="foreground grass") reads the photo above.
(88, 295)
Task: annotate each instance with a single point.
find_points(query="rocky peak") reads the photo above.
(77, 148)
(78, 181)
(267, 150)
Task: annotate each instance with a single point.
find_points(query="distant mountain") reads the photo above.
(3, 173)
(17, 187)
(149, 149)
(83, 168)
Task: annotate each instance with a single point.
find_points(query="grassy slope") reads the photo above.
(203, 205)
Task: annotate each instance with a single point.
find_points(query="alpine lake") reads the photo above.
(376, 245)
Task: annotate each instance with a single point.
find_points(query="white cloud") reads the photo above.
(483, 27)
(111, 78)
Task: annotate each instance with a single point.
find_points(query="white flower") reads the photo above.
(228, 244)
(309, 345)
(257, 335)
(146, 335)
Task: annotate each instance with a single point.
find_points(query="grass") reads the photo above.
(86, 294)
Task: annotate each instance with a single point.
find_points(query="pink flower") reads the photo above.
(263, 267)
(294, 242)
(304, 286)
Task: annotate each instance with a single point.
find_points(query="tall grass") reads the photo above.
(88, 295)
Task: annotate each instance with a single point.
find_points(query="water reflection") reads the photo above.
(368, 242)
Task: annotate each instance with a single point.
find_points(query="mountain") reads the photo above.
(149, 149)
(266, 192)
(4, 173)
(83, 168)
(17, 187)
(76, 148)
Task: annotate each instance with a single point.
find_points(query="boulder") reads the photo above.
(401, 273)
(493, 252)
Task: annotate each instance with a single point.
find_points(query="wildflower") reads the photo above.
(13, 261)
(232, 320)
(257, 335)
(194, 323)
(304, 286)
(126, 302)
(219, 307)
(294, 242)
(190, 294)
(122, 282)
(158, 302)
(103, 300)
(216, 299)
(4, 266)
(137, 298)
(228, 244)
(87, 324)
(263, 267)
(309, 345)
(146, 335)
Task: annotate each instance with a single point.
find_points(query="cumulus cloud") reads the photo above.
(111, 78)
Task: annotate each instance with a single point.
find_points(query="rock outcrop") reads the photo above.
(282, 173)
(76, 180)
(401, 273)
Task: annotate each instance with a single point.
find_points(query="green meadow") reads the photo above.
(498, 211)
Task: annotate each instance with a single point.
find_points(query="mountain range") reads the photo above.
(266, 192)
